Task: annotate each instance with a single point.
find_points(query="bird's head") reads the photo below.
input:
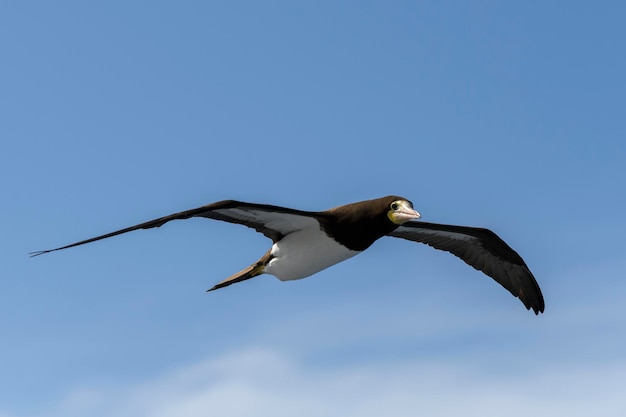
(401, 210)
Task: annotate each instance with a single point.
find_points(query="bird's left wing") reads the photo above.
(483, 250)
(273, 221)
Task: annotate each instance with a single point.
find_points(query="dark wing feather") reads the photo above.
(273, 221)
(482, 249)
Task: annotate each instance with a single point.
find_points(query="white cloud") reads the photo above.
(393, 359)
(264, 382)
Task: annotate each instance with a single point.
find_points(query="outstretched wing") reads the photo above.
(273, 221)
(482, 249)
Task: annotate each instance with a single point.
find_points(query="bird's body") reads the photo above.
(305, 252)
(306, 242)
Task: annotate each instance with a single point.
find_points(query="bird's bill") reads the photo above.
(405, 213)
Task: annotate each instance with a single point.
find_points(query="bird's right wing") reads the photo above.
(273, 221)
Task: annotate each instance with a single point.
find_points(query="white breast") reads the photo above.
(304, 253)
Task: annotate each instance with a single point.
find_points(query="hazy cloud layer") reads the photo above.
(257, 382)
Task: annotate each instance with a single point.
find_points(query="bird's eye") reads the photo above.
(395, 205)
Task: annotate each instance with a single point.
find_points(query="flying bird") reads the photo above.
(306, 242)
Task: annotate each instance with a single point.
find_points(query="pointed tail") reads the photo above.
(252, 271)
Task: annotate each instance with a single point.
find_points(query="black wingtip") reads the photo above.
(37, 253)
(537, 307)
(536, 310)
(535, 301)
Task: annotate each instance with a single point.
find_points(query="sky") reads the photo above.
(505, 115)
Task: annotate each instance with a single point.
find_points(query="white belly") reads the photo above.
(304, 253)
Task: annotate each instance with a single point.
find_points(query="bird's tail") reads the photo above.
(252, 271)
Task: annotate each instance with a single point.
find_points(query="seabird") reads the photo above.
(306, 242)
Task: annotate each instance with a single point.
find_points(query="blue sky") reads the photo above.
(493, 114)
